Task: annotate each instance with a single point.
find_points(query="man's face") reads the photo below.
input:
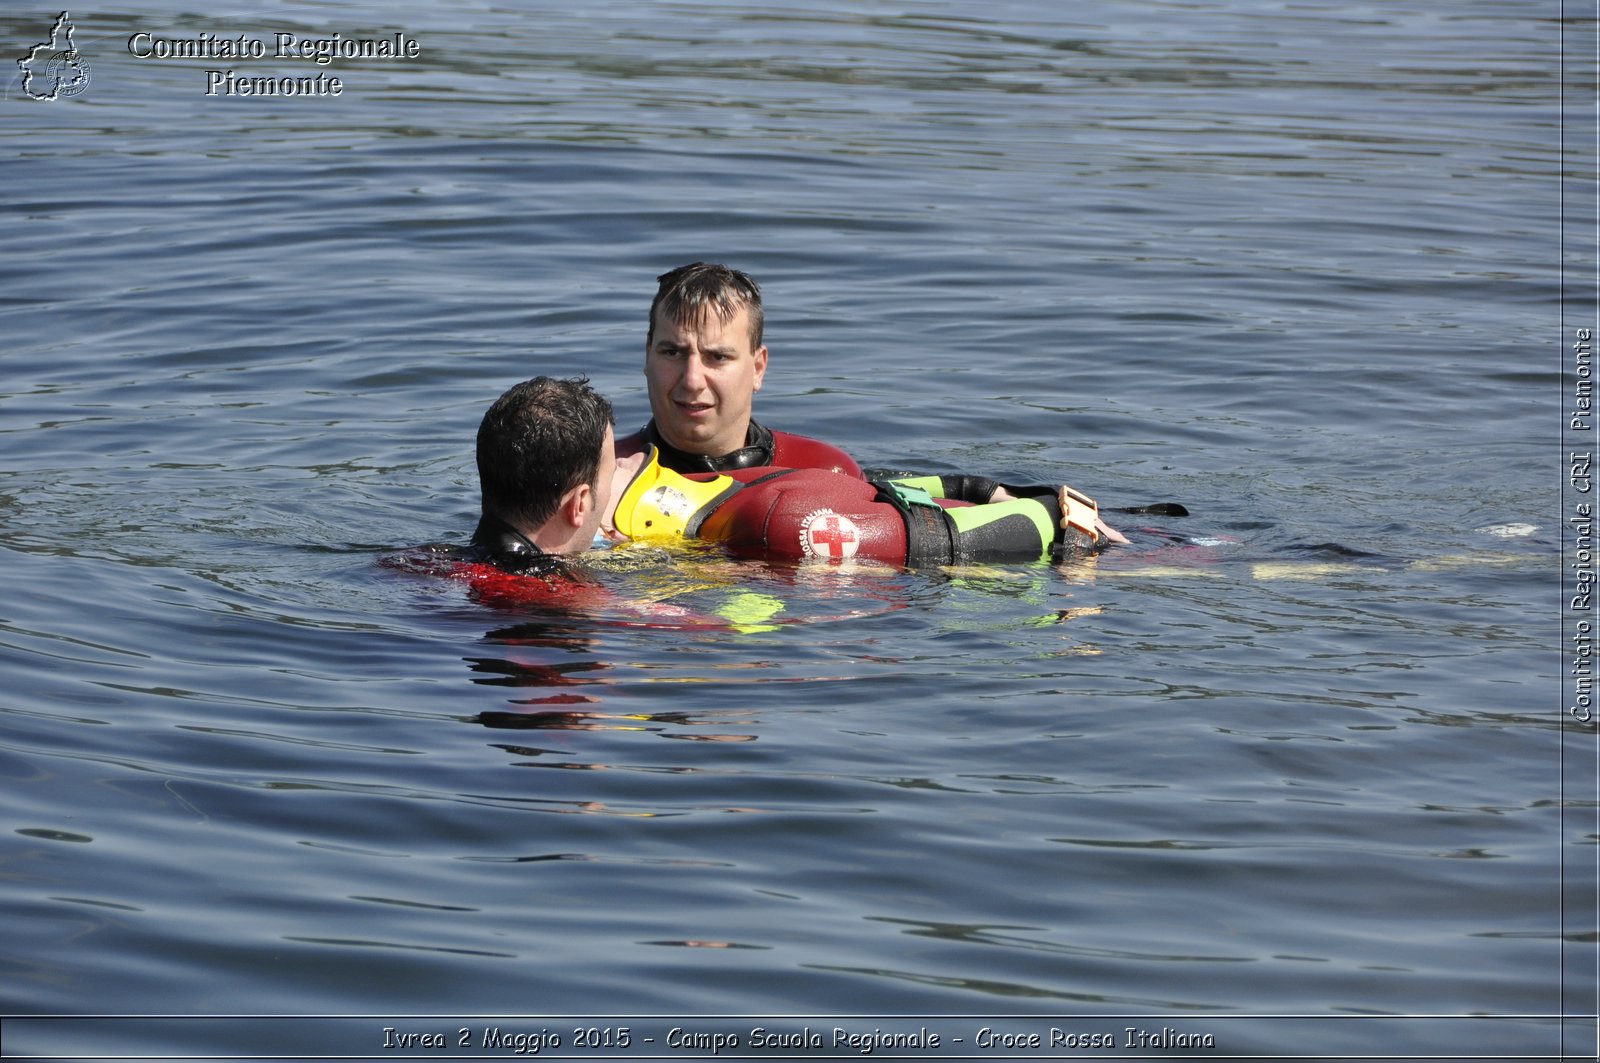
(702, 377)
(604, 473)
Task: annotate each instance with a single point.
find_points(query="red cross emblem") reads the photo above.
(827, 534)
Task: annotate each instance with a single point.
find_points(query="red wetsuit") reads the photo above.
(793, 514)
(799, 513)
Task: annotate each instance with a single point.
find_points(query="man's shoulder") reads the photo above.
(630, 445)
(490, 580)
(796, 451)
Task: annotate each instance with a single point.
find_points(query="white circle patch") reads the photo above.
(825, 533)
(668, 500)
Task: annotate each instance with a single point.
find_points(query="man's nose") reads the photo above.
(694, 373)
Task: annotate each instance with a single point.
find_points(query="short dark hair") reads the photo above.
(689, 291)
(538, 441)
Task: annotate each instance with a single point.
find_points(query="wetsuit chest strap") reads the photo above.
(930, 538)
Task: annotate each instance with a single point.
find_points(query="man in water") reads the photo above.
(546, 464)
(704, 361)
(551, 481)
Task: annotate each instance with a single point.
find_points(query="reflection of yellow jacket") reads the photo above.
(659, 503)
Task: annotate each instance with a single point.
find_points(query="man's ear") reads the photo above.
(576, 504)
(760, 359)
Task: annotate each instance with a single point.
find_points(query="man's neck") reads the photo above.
(503, 545)
(757, 450)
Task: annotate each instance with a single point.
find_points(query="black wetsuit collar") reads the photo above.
(501, 545)
(757, 450)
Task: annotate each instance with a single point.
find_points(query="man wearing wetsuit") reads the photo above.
(550, 480)
(546, 464)
(704, 361)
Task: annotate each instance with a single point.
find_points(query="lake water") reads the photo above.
(1295, 773)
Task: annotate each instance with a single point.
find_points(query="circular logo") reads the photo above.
(825, 533)
(669, 500)
(67, 74)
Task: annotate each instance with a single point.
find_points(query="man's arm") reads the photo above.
(980, 490)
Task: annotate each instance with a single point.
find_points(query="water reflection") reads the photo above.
(522, 666)
(560, 652)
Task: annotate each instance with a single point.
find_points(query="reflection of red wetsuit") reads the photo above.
(503, 569)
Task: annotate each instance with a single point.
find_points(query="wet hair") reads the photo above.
(538, 441)
(689, 291)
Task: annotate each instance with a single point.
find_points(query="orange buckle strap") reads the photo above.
(1079, 512)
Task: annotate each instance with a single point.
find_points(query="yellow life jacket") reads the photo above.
(659, 503)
